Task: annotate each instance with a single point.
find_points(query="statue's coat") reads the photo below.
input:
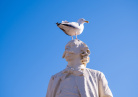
(92, 84)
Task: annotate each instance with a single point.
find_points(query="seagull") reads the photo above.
(72, 28)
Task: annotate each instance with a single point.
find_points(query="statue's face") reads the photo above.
(72, 52)
(76, 51)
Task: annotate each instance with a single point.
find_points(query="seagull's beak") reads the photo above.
(87, 21)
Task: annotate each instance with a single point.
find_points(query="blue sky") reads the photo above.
(31, 45)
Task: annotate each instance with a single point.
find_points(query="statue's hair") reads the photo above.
(85, 54)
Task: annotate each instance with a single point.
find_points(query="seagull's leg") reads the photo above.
(72, 37)
(76, 35)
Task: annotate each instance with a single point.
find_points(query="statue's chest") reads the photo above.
(68, 87)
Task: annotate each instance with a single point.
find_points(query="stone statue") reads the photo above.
(76, 80)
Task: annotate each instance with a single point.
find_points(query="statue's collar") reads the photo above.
(82, 67)
(75, 71)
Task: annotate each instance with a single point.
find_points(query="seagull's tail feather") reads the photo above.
(58, 24)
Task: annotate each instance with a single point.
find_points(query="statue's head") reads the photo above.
(75, 50)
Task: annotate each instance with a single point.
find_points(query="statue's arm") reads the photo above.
(104, 90)
(49, 89)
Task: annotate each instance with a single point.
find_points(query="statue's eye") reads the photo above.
(72, 45)
(67, 48)
(71, 52)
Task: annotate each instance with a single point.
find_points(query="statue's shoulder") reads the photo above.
(58, 75)
(95, 72)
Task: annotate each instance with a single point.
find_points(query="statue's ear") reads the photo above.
(63, 54)
(88, 51)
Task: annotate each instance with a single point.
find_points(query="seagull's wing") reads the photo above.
(65, 21)
(64, 31)
(71, 24)
(66, 26)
